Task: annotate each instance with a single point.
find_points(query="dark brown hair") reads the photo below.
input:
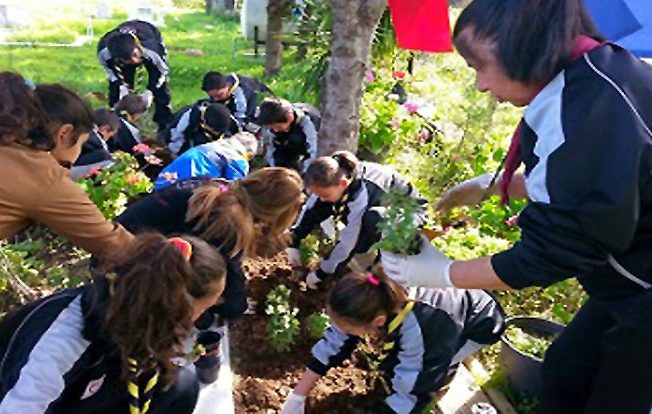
(132, 104)
(533, 38)
(63, 106)
(252, 215)
(150, 310)
(106, 117)
(22, 120)
(327, 171)
(273, 110)
(358, 301)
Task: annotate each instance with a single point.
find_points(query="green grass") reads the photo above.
(218, 39)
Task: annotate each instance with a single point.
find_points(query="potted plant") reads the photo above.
(523, 346)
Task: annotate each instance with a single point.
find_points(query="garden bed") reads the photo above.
(264, 377)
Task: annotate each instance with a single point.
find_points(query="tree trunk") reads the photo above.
(276, 12)
(354, 23)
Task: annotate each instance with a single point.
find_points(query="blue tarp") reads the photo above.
(626, 22)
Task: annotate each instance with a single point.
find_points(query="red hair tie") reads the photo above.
(373, 279)
(183, 245)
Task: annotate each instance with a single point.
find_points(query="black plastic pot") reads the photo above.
(524, 371)
(208, 366)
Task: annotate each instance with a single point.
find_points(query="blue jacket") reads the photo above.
(217, 159)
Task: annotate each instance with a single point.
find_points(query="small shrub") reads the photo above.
(283, 325)
(111, 188)
(316, 324)
(400, 233)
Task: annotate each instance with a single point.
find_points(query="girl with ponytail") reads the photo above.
(108, 346)
(351, 193)
(423, 340)
(244, 218)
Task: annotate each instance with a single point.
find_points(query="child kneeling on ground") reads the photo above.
(424, 340)
(107, 347)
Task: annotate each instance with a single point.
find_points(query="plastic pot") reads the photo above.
(207, 367)
(524, 371)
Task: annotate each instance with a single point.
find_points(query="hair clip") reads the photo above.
(223, 188)
(373, 279)
(183, 245)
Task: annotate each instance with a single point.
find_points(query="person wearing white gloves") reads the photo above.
(352, 193)
(586, 143)
(423, 340)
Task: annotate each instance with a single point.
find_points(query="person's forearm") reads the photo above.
(517, 187)
(475, 274)
(306, 383)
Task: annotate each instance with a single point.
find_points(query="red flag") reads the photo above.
(421, 25)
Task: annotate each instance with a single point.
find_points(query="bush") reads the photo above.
(283, 325)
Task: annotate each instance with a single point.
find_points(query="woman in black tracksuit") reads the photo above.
(586, 143)
(423, 340)
(107, 347)
(242, 219)
(352, 193)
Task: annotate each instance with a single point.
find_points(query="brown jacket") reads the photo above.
(35, 188)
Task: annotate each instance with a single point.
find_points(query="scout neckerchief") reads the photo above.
(388, 346)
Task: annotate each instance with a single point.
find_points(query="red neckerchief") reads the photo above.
(582, 45)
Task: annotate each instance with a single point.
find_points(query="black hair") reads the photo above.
(132, 103)
(533, 38)
(63, 106)
(104, 116)
(213, 80)
(273, 110)
(218, 117)
(121, 45)
(328, 171)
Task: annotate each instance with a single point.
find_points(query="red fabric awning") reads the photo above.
(421, 25)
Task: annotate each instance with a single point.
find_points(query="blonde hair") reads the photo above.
(251, 215)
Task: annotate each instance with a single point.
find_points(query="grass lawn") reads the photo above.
(219, 40)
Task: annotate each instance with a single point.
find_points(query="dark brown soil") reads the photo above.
(264, 377)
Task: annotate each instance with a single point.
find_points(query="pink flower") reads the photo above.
(512, 221)
(411, 107)
(395, 123)
(398, 74)
(142, 148)
(368, 77)
(424, 135)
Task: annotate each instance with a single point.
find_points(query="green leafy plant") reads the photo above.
(283, 325)
(528, 342)
(316, 324)
(400, 233)
(111, 188)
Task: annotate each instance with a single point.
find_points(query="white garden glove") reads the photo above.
(430, 268)
(468, 193)
(313, 281)
(123, 91)
(295, 404)
(294, 256)
(148, 97)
